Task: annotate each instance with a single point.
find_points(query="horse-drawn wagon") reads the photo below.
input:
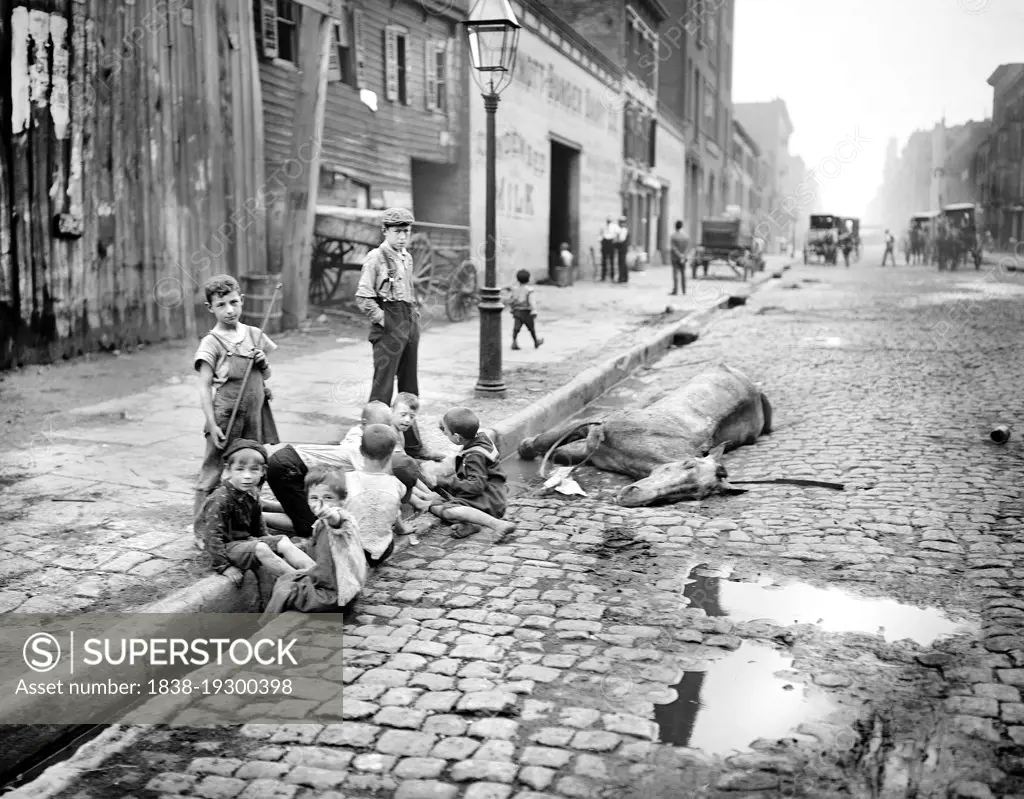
(922, 234)
(728, 239)
(962, 223)
(822, 238)
(443, 270)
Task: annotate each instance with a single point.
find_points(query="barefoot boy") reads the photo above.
(231, 523)
(477, 494)
(220, 363)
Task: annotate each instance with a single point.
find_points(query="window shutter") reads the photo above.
(430, 48)
(343, 28)
(359, 45)
(268, 27)
(450, 93)
(652, 147)
(334, 54)
(390, 65)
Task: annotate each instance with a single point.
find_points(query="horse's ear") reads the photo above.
(717, 453)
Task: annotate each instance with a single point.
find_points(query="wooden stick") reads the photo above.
(248, 369)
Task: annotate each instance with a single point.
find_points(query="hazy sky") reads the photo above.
(886, 67)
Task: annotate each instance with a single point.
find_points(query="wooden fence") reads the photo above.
(131, 169)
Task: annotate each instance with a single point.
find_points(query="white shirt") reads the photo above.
(610, 232)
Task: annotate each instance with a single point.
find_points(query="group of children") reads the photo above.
(338, 507)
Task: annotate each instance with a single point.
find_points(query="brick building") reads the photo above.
(997, 169)
(744, 171)
(769, 125)
(559, 147)
(627, 34)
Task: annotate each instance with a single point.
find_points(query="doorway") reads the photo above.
(564, 214)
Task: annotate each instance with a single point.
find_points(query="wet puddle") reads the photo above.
(737, 700)
(831, 609)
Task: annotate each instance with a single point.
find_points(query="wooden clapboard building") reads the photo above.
(393, 125)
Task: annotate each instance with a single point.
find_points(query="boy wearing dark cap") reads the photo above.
(387, 296)
(231, 522)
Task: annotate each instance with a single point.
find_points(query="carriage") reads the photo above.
(822, 238)
(962, 223)
(729, 239)
(922, 233)
(442, 267)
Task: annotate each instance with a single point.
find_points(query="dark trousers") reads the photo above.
(607, 259)
(395, 352)
(286, 476)
(623, 271)
(521, 318)
(678, 275)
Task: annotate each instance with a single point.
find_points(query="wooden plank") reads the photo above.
(86, 99)
(184, 70)
(235, 263)
(251, 215)
(164, 132)
(8, 314)
(213, 143)
(40, 144)
(66, 308)
(308, 133)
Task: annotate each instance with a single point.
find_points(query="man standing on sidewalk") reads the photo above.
(387, 296)
(609, 238)
(680, 244)
(622, 245)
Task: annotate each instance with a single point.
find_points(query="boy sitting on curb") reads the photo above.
(340, 571)
(404, 410)
(375, 495)
(231, 523)
(477, 495)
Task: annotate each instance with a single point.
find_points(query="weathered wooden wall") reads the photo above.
(130, 169)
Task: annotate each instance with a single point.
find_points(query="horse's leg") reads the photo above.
(536, 446)
(570, 454)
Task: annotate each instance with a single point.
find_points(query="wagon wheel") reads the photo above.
(463, 292)
(324, 273)
(422, 252)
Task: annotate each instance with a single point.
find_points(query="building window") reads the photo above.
(641, 50)
(342, 66)
(436, 64)
(395, 73)
(711, 26)
(710, 111)
(279, 29)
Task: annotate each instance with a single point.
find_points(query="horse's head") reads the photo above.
(685, 480)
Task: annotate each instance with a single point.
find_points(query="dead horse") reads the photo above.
(672, 448)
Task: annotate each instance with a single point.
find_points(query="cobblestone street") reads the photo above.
(788, 641)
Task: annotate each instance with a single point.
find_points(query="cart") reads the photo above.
(729, 240)
(963, 222)
(443, 272)
(822, 238)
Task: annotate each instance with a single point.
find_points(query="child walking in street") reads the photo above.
(476, 495)
(340, 571)
(221, 361)
(524, 309)
(375, 495)
(231, 522)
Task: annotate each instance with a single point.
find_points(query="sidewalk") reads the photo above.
(97, 511)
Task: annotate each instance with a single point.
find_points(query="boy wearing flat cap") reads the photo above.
(388, 298)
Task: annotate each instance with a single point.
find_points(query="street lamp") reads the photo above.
(493, 38)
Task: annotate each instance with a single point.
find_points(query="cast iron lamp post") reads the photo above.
(493, 38)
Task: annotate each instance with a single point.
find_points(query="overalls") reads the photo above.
(254, 419)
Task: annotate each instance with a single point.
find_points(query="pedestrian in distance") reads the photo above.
(221, 363)
(231, 524)
(609, 242)
(476, 496)
(524, 309)
(679, 242)
(567, 260)
(622, 247)
(340, 567)
(890, 248)
(386, 295)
